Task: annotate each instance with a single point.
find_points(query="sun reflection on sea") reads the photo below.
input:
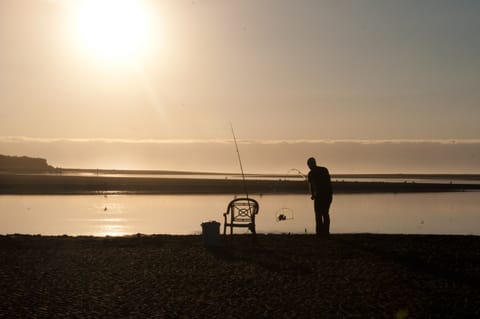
(111, 220)
(112, 230)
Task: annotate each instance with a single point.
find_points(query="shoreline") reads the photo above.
(348, 275)
(11, 184)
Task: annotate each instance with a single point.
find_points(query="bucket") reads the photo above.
(211, 233)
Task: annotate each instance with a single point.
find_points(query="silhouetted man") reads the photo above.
(321, 190)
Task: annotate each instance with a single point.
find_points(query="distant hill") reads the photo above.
(24, 164)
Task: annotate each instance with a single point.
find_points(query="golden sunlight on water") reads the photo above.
(112, 230)
(110, 218)
(117, 215)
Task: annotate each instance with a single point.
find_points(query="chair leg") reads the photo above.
(252, 229)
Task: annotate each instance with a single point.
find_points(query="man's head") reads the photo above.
(311, 162)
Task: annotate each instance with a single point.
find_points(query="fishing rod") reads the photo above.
(240, 161)
(298, 172)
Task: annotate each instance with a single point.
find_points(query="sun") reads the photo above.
(113, 29)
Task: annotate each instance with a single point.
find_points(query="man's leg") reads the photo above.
(326, 222)
(319, 224)
(322, 209)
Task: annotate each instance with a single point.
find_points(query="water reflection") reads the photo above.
(115, 215)
(112, 230)
(111, 217)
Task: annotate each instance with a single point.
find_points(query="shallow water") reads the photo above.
(455, 179)
(419, 213)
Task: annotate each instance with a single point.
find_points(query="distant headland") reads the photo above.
(24, 164)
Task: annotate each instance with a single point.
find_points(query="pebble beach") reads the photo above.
(275, 276)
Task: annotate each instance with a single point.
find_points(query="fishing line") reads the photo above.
(240, 161)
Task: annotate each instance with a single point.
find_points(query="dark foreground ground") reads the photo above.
(281, 276)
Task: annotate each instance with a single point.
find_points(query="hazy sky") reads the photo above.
(278, 70)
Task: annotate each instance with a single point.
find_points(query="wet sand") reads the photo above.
(67, 184)
(280, 276)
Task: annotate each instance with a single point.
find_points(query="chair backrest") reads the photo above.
(243, 210)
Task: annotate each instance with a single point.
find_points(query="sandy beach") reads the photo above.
(280, 276)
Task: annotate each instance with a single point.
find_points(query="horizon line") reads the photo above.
(26, 139)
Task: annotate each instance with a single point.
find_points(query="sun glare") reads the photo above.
(113, 28)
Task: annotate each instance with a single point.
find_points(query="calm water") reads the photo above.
(423, 213)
